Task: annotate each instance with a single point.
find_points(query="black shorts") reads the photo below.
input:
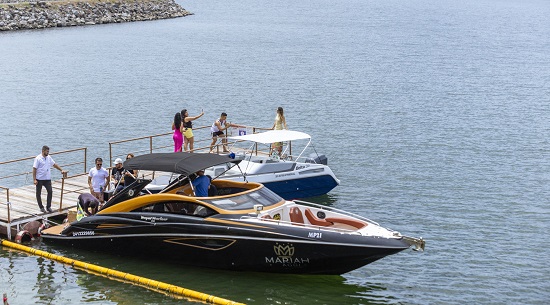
(217, 133)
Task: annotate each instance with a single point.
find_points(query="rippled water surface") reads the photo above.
(435, 115)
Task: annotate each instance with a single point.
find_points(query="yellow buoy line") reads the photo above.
(110, 273)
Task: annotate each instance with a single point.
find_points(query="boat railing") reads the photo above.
(249, 151)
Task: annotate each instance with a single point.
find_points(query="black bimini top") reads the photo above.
(178, 162)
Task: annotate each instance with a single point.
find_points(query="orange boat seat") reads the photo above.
(296, 215)
(350, 222)
(317, 221)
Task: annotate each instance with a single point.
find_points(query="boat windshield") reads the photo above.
(262, 196)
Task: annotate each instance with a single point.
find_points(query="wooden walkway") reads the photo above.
(18, 205)
(23, 207)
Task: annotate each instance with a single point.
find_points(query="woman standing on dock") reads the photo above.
(177, 127)
(188, 131)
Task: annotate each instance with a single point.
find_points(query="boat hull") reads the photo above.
(241, 254)
(242, 245)
(298, 188)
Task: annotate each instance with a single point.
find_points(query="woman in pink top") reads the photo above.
(177, 127)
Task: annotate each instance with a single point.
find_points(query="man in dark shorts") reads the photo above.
(217, 130)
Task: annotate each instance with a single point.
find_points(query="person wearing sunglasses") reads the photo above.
(98, 179)
(41, 175)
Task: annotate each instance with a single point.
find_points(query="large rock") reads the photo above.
(35, 15)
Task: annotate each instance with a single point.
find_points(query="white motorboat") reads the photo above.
(290, 176)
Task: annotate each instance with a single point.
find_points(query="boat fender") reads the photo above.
(42, 227)
(32, 227)
(23, 236)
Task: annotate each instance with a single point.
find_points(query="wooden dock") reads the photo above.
(18, 205)
(23, 208)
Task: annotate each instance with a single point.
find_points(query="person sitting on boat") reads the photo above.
(201, 184)
(117, 175)
(130, 175)
(217, 130)
(87, 202)
(212, 189)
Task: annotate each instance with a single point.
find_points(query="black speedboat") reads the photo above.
(245, 226)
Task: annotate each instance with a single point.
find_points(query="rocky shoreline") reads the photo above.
(17, 15)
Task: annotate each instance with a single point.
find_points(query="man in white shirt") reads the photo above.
(42, 176)
(98, 179)
(217, 130)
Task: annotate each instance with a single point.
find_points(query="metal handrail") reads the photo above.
(54, 153)
(84, 149)
(152, 147)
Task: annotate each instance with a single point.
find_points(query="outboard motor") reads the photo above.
(315, 158)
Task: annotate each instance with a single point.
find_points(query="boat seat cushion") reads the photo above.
(350, 222)
(316, 221)
(296, 215)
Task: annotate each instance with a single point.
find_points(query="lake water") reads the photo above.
(435, 115)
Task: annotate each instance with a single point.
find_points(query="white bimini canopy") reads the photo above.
(273, 136)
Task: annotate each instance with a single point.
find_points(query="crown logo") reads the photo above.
(286, 250)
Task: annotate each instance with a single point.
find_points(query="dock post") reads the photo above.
(8, 229)
(61, 195)
(85, 156)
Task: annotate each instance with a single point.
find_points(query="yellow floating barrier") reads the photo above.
(141, 281)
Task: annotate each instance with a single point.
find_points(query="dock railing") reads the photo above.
(164, 143)
(65, 159)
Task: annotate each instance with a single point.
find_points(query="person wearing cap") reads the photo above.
(201, 184)
(217, 130)
(117, 175)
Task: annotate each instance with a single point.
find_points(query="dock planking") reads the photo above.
(24, 208)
